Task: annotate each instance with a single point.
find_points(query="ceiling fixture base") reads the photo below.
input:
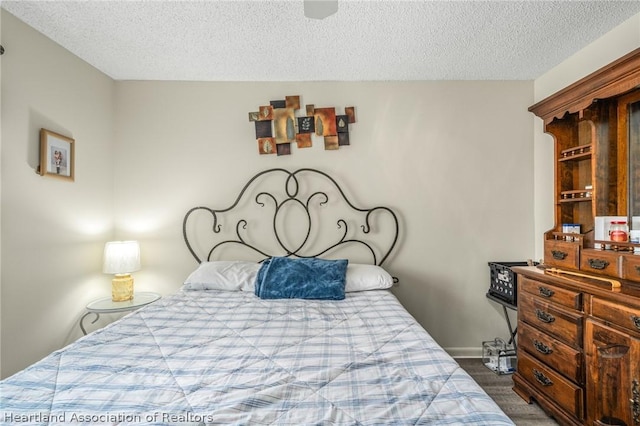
(320, 9)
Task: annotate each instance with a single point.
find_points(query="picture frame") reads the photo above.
(57, 155)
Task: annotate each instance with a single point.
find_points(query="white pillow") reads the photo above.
(230, 275)
(362, 277)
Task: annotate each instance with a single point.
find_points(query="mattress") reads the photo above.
(229, 357)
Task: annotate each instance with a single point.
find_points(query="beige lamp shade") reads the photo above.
(121, 258)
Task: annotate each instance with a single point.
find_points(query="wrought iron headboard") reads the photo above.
(312, 204)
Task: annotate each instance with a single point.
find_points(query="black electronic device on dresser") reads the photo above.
(579, 314)
(503, 289)
(504, 282)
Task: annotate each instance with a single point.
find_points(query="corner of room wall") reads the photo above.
(611, 46)
(53, 230)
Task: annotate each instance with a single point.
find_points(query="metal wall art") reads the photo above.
(278, 126)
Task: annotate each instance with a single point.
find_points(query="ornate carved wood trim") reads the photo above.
(618, 77)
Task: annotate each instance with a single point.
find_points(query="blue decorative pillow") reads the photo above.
(287, 278)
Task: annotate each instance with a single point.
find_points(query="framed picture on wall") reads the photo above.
(57, 155)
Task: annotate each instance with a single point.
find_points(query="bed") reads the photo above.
(235, 345)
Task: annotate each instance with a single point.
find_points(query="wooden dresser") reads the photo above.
(579, 313)
(578, 348)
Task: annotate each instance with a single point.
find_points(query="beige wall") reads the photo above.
(613, 45)
(455, 158)
(52, 231)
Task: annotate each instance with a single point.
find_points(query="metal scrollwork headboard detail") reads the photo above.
(289, 197)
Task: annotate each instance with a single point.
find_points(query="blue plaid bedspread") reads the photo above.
(212, 357)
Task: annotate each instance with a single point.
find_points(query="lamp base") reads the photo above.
(122, 288)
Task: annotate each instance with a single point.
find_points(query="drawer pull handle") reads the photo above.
(598, 264)
(541, 378)
(636, 321)
(545, 317)
(559, 255)
(542, 348)
(546, 292)
(638, 269)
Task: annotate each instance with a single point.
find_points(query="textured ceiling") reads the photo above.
(365, 40)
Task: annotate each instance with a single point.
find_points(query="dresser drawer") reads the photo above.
(600, 262)
(617, 314)
(552, 352)
(631, 267)
(563, 324)
(569, 298)
(562, 254)
(566, 394)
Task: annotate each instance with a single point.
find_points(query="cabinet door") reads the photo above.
(613, 376)
(629, 142)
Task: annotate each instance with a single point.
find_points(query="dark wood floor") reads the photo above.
(499, 388)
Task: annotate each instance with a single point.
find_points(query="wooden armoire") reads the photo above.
(579, 312)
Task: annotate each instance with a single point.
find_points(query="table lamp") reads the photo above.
(121, 258)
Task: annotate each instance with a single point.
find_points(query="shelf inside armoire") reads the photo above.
(577, 153)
